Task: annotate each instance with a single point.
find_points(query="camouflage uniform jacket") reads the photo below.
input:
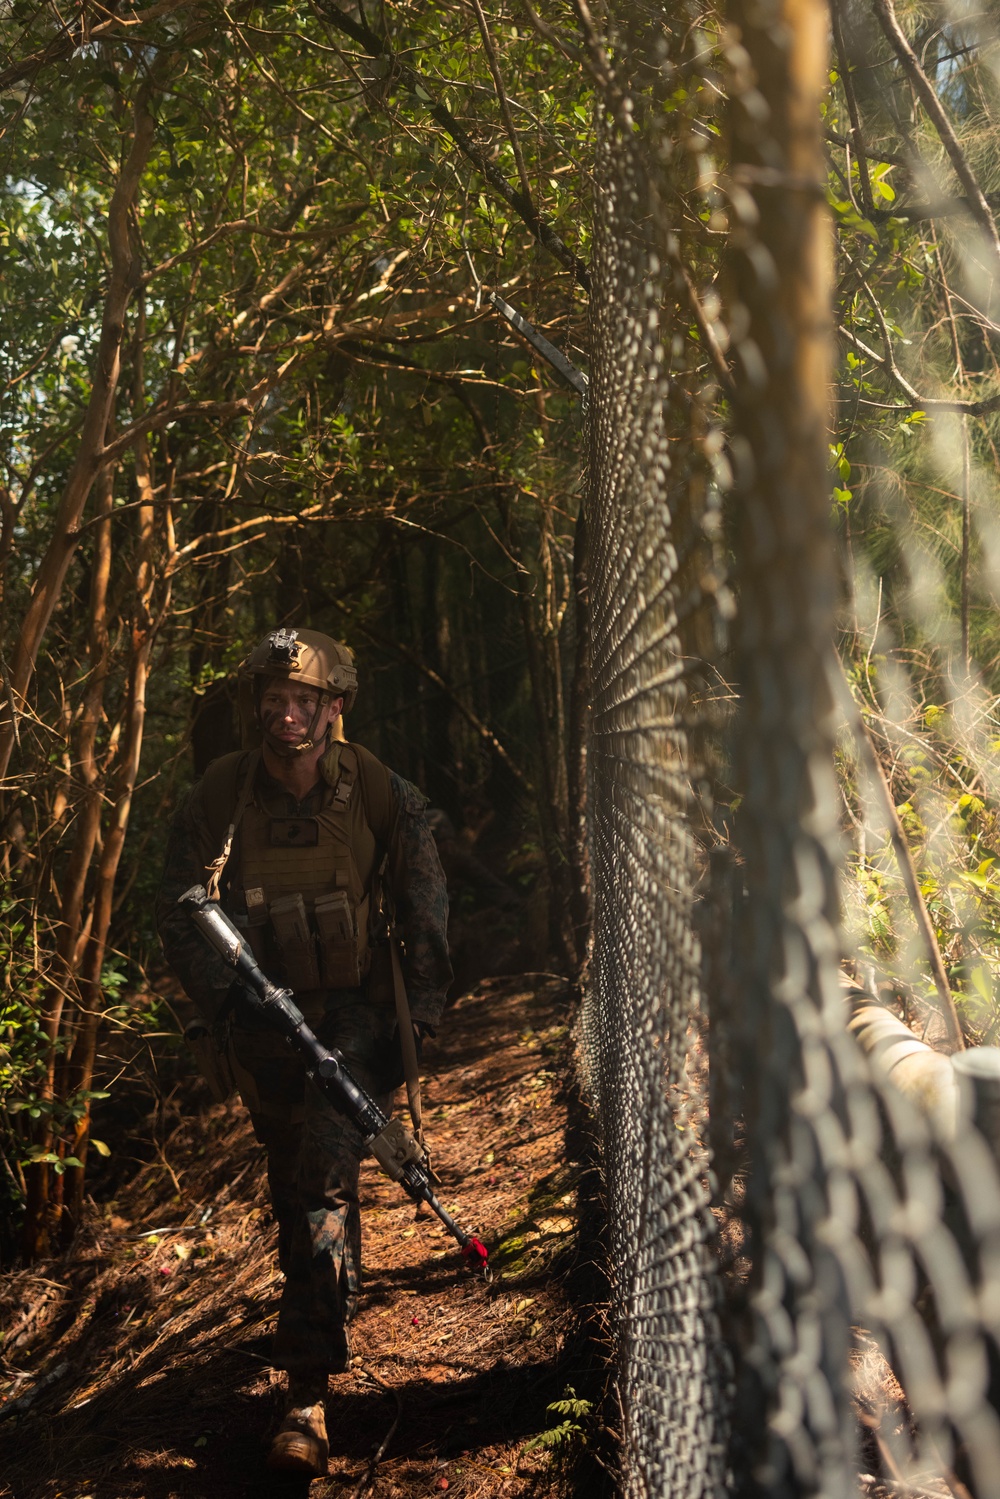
(413, 879)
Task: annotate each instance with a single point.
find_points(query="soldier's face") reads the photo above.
(288, 711)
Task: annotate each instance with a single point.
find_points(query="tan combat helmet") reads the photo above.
(306, 656)
(311, 658)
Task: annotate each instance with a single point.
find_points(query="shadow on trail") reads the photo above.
(164, 1433)
(169, 1354)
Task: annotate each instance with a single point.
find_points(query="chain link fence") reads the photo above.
(806, 1267)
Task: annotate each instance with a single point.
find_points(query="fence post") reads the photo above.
(790, 1417)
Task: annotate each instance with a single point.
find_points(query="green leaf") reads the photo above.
(982, 981)
(881, 187)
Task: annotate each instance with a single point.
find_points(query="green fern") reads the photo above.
(568, 1434)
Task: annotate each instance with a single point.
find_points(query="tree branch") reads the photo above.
(155, 420)
(852, 107)
(67, 40)
(562, 44)
(904, 858)
(472, 718)
(541, 228)
(248, 226)
(837, 139)
(924, 89)
(916, 401)
(494, 65)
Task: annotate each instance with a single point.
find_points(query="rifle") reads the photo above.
(389, 1141)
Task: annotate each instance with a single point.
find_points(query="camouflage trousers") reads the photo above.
(313, 1163)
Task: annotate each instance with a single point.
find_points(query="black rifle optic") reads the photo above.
(389, 1141)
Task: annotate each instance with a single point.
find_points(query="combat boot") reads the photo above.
(301, 1445)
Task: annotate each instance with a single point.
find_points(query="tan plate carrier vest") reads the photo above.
(307, 883)
(316, 894)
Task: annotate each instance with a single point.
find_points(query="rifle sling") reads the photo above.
(407, 1044)
(217, 867)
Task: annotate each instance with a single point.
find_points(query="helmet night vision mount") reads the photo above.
(285, 648)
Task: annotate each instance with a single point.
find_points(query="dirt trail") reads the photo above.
(155, 1332)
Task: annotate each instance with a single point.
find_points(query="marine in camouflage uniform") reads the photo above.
(392, 867)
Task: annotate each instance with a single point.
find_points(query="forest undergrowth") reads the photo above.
(136, 1366)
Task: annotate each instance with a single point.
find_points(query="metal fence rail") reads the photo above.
(847, 1234)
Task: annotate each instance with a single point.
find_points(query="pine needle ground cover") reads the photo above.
(156, 1330)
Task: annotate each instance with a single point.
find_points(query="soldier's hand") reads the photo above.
(392, 1074)
(243, 1003)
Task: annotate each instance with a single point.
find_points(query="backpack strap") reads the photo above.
(347, 777)
(376, 789)
(344, 766)
(214, 796)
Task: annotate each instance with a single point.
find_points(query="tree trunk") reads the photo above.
(39, 1177)
(781, 324)
(144, 628)
(544, 674)
(65, 535)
